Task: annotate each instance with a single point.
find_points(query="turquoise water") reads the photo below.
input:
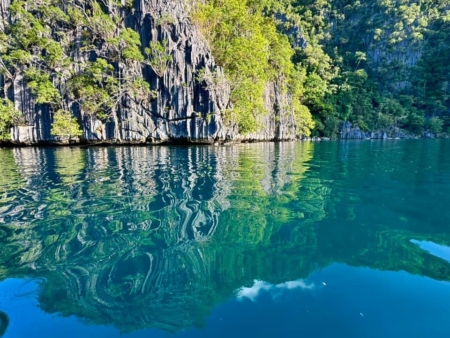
(331, 239)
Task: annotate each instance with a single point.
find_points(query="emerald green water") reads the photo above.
(332, 239)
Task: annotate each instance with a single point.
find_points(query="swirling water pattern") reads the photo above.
(157, 237)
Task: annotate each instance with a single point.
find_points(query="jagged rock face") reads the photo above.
(348, 132)
(184, 110)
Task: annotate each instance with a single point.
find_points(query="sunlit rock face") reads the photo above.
(156, 237)
(185, 110)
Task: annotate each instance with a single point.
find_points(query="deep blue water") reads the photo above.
(332, 239)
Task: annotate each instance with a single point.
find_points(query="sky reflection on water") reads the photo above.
(332, 239)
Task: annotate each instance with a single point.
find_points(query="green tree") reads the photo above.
(38, 44)
(245, 41)
(9, 116)
(65, 125)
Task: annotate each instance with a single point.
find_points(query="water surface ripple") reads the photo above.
(268, 239)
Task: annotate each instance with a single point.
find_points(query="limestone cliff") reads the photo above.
(184, 109)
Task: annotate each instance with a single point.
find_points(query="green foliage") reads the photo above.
(165, 20)
(158, 55)
(39, 43)
(245, 41)
(65, 125)
(416, 122)
(435, 125)
(41, 86)
(128, 45)
(8, 117)
(100, 24)
(140, 90)
(17, 58)
(384, 38)
(375, 63)
(93, 88)
(303, 119)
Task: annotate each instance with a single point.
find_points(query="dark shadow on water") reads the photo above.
(4, 322)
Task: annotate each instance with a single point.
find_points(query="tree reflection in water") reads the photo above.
(155, 237)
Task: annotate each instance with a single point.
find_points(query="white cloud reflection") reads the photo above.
(275, 290)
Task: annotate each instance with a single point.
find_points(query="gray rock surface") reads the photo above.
(348, 132)
(184, 110)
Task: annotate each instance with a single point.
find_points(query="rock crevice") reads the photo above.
(184, 109)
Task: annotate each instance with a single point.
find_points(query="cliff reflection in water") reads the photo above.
(142, 237)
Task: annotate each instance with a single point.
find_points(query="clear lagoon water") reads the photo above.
(331, 239)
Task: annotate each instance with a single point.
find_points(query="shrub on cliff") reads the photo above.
(244, 40)
(73, 52)
(65, 125)
(8, 117)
